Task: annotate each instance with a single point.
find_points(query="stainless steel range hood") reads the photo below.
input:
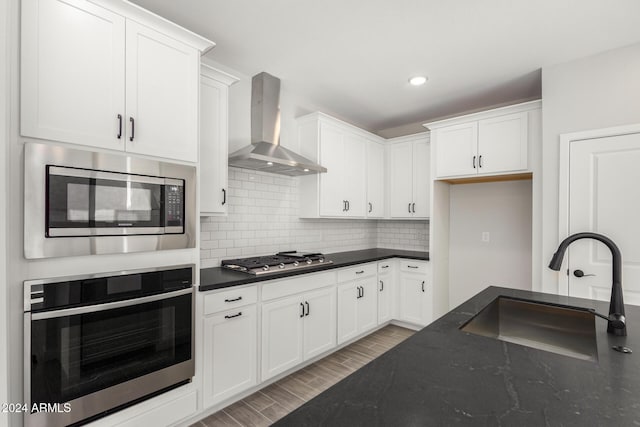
(265, 153)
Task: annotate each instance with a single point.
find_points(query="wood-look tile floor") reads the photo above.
(273, 402)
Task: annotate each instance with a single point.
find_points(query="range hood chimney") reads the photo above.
(265, 153)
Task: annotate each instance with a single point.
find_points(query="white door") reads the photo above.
(385, 297)
(213, 145)
(502, 143)
(400, 180)
(412, 307)
(332, 191)
(162, 95)
(421, 179)
(319, 322)
(367, 305)
(456, 150)
(230, 353)
(375, 180)
(282, 329)
(72, 73)
(604, 198)
(354, 179)
(348, 296)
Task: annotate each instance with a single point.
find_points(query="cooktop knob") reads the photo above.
(320, 259)
(308, 261)
(265, 268)
(281, 265)
(296, 263)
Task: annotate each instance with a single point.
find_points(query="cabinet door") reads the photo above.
(413, 288)
(348, 297)
(332, 183)
(421, 180)
(502, 144)
(375, 180)
(230, 354)
(354, 177)
(72, 73)
(282, 334)
(385, 298)
(213, 146)
(456, 150)
(319, 322)
(367, 305)
(400, 180)
(162, 95)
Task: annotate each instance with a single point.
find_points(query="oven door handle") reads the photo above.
(108, 306)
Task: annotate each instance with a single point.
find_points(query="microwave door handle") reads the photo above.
(108, 306)
(112, 176)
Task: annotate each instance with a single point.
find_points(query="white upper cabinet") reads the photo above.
(494, 142)
(96, 77)
(72, 73)
(214, 140)
(375, 180)
(342, 149)
(162, 95)
(409, 175)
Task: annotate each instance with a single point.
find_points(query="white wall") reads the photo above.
(5, 105)
(263, 219)
(503, 209)
(590, 93)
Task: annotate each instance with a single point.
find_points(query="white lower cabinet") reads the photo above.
(230, 353)
(230, 358)
(357, 308)
(297, 328)
(386, 291)
(415, 293)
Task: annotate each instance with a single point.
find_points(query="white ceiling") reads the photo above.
(352, 58)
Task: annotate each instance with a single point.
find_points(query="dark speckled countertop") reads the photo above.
(442, 376)
(218, 278)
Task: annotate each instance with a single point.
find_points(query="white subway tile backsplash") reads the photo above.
(263, 219)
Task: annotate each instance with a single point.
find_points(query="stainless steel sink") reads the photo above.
(570, 331)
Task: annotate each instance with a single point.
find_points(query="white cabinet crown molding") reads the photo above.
(144, 17)
(217, 74)
(509, 109)
(323, 117)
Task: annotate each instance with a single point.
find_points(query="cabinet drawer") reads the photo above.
(386, 266)
(234, 297)
(412, 266)
(303, 283)
(356, 272)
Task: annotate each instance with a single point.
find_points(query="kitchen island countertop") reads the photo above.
(442, 376)
(218, 277)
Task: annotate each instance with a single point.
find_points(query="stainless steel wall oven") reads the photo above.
(81, 202)
(96, 343)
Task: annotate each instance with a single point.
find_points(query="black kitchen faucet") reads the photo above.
(616, 322)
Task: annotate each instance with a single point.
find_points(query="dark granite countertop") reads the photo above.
(218, 278)
(442, 376)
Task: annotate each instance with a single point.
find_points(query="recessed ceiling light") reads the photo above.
(418, 80)
(306, 170)
(270, 163)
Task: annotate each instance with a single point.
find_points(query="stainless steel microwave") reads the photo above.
(81, 202)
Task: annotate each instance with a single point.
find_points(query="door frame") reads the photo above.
(563, 182)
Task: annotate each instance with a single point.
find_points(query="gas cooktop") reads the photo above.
(280, 262)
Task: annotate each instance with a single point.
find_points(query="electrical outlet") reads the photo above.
(485, 236)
